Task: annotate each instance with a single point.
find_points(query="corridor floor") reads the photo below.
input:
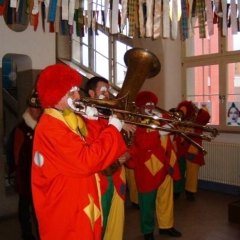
(204, 219)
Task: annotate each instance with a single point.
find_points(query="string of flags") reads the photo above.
(146, 18)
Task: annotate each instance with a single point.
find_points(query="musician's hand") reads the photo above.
(129, 128)
(126, 156)
(91, 113)
(156, 112)
(163, 133)
(113, 120)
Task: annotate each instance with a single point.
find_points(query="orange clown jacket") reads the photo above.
(65, 187)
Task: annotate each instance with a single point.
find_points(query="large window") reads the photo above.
(98, 51)
(211, 76)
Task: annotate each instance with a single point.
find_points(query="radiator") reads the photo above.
(222, 163)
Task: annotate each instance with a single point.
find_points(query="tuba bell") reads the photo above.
(141, 64)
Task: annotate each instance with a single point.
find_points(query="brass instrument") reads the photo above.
(143, 64)
(136, 117)
(185, 128)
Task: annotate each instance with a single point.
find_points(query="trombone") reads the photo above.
(174, 123)
(143, 64)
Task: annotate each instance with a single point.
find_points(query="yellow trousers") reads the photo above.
(164, 204)
(132, 187)
(192, 170)
(115, 223)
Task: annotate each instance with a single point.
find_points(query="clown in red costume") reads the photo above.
(195, 157)
(112, 182)
(67, 152)
(155, 166)
(181, 144)
(189, 156)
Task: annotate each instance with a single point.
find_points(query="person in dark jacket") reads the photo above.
(23, 143)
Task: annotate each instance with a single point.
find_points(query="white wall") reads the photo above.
(39, 46)
(167, 84)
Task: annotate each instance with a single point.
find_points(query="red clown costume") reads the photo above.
(195, 156)
(66, 190)
(155, 166)
(113, 192)
(181, 144)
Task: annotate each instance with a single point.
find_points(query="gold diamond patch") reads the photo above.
(153, 165)
(92, 211)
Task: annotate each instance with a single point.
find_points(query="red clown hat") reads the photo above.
(188, 109)
(202, 117)
(54, 82)
(145, 97)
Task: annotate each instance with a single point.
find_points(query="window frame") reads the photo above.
(222, 58)
(112, 39)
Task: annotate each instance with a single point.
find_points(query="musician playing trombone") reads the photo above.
(112, 180)
(190, 157)
(67, 153)
(188, 111)
(155, 166)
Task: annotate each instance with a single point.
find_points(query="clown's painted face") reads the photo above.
(148, 108)
(102, 91)
(73, 95)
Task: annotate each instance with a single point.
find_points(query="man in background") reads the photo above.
(23, 144)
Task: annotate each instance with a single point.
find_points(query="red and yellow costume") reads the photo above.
(181, 145)
(113, 193)
(195, 157)
(65, 187)
(155, 166)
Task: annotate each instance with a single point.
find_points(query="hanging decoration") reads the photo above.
(143, 18)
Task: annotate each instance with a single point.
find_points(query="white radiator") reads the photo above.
(222, 163)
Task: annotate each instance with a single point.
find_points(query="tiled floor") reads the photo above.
(204, 219)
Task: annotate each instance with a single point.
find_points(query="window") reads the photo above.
(211, 73)
(98, 51)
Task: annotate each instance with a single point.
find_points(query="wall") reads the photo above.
(167, 84)
(40, 48)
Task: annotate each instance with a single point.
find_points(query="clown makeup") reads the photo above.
(148, 108)
(104, 93)
(72, 97)
(102, 90)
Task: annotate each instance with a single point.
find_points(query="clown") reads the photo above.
(67, 152)
(155, 166)
(112, 180)
(190, 157)
(195, 157)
